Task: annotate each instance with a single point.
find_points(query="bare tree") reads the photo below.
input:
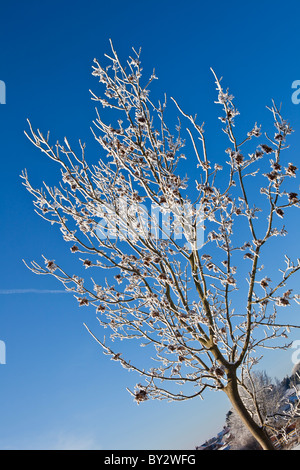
(240, 436)
(265, 401)
(136, 215)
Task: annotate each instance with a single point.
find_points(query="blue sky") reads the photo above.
(57, 388)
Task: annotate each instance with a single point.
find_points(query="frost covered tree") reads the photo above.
(183, 253)
(264, 400)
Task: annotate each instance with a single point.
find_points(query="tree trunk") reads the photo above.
(258, 432)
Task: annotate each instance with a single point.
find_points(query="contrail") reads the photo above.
(32, 291)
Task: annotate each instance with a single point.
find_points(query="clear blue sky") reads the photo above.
(57, 388)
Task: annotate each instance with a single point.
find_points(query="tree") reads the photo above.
(264, 400)
(240, 436)
(136, 215)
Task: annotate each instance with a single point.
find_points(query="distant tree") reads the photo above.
(263, 399)
(285, 383)
(137, 215)
(240, 436)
